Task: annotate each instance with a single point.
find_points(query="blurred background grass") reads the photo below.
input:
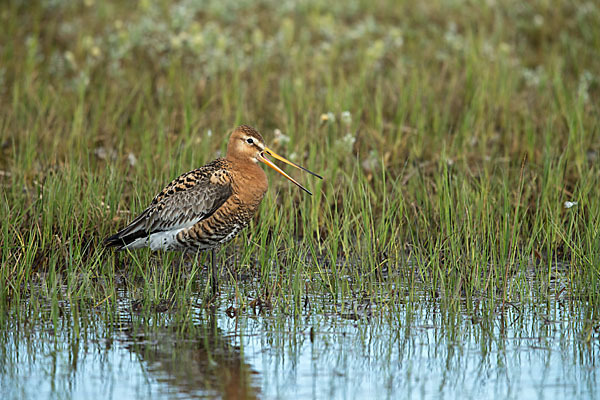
(449, 133)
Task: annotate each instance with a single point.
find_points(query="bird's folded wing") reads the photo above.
(185, 208)
(185, 201)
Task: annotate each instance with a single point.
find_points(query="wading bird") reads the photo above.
(205, 208)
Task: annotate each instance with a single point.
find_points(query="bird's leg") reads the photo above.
(213, 257)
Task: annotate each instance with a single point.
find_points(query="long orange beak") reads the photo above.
(265, 160)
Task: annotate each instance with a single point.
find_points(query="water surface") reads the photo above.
(359, 352)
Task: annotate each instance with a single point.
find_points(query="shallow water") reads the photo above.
(409, 353)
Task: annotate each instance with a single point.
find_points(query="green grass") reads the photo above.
(468, 127)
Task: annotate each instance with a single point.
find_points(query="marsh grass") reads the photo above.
(449, 139)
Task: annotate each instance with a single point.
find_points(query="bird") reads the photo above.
(207, 207)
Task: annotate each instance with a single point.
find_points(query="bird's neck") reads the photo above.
(250, 179)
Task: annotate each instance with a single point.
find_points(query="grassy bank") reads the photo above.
(449, 134)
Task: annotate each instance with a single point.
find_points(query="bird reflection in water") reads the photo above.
(201, 363)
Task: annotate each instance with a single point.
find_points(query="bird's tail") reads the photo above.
(135, 230)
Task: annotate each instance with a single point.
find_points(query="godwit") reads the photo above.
(205, 208)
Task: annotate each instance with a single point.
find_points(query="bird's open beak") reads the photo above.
(261, 157)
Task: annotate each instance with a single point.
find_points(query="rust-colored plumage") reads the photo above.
(208, 206)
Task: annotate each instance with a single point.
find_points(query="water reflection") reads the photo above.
(416, 351)
(202, 362)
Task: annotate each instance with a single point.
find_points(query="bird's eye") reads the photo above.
(249, 141)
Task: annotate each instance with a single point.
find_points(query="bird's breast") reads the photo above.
(250, 185)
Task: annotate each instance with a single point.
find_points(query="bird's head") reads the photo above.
(246, 144)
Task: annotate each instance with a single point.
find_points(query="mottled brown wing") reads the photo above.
(188, 199)
(185, 208)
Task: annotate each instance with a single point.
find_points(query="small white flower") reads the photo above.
(329, 117)
(82, 80)
(280, 138)
(100, 152)
(70, 57)
(585, 81)
(346, 143)
(569, 204)
(346, 118)
(131, 159)
(372, 162)
(533, 77)
(209, 133)
(349, 139)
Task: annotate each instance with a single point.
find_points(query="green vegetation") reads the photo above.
(450, 134)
